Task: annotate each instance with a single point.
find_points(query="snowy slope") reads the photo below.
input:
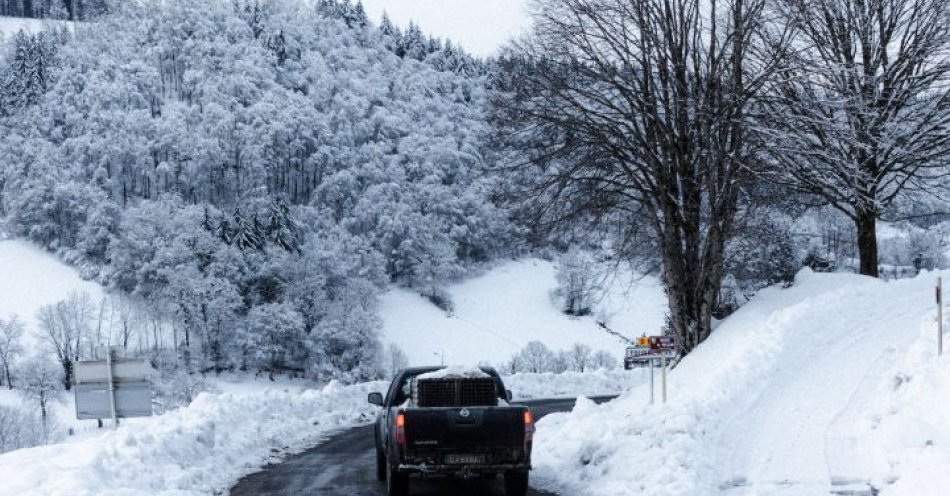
(10, 25)
(497, 313)
(31, 278)
(767, 406)
(195, 451)
(480, 26)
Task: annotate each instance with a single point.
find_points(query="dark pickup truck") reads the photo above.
(436, 422)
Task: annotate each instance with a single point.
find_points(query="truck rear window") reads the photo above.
(455, 392)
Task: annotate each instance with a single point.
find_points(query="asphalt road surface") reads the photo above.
(344, 465)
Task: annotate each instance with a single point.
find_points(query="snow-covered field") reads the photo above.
(31, 278)
(825, 385)
(198, 450)
(498, 313)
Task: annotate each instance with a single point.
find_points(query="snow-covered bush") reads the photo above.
(19, 429)
(178, 388)
(915, 248)
(762, 254)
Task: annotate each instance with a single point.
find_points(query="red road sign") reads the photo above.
(662, 343)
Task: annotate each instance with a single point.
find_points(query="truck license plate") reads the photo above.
(463, 459)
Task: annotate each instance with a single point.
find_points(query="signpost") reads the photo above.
(112, 388)
(663, 346)
(652, 348)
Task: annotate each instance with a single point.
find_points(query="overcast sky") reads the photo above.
(481, 26)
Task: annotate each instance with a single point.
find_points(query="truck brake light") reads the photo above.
(528, 426)
(401, 429)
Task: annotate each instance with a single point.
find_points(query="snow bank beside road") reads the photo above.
(763, 407)
(198, 450)
(575, 384)
(907, 430)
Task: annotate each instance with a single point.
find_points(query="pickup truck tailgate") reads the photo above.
(465, 428)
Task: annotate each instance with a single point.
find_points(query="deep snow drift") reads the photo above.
(198, 450)
(797, 394)
(498, 313)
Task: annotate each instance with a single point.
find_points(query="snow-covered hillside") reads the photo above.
(499, 312)
(480, 26)
(31, 278)
(10, 25)
(803, 391)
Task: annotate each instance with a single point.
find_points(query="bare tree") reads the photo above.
(66, 325)
(18, 429)
(580, 357)
(11, 331)
(604, 360)
(637, 109)
(40, 378)
(535, 358)
(394, 359)
(130, 317)
(861, 112)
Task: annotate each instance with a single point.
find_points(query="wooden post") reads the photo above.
(939, 293)
(115, 418)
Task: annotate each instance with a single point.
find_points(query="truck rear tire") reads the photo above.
(396, 484)
(380, 466)
(516, 483)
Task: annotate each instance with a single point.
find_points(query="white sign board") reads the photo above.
(123, 370)
(132, 399)
(127, 394)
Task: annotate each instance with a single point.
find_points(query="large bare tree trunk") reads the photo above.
(866, 224)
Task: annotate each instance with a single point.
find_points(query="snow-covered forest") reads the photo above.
(255, 171)
(246, 178)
